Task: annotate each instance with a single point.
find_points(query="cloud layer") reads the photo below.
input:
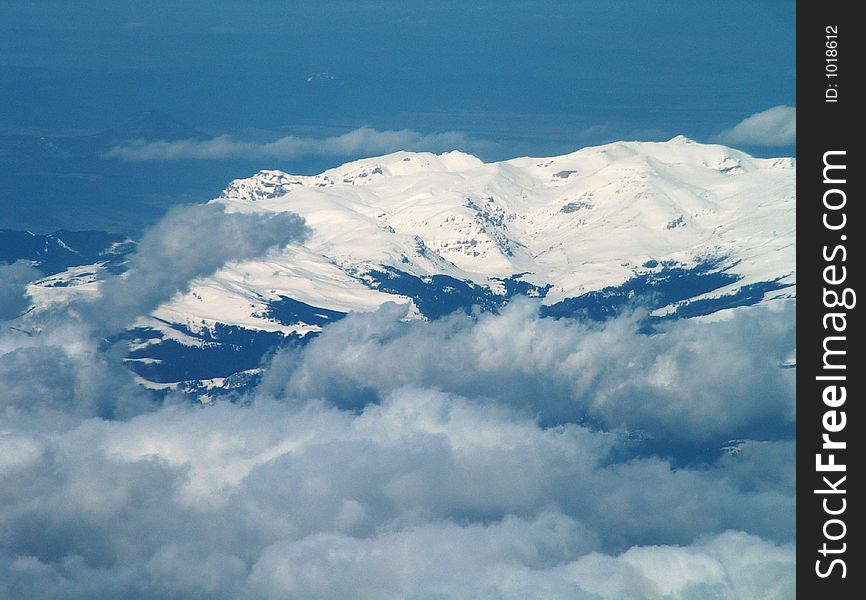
(670, 385)
(191, 241)
(774, 127)
(426, 493)
(501, 456)
(363, 141)
(13, 297)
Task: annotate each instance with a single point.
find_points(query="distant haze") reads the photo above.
(497, 79)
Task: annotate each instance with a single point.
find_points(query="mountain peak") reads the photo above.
(681, 228)
(578, 222)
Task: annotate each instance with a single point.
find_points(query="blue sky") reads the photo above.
(501, 78)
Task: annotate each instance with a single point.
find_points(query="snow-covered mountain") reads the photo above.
(684, 228)
(56, 252)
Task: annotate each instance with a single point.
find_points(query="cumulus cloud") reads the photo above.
(58, 373)
(775, 126)
(58, 362)
(13, 295)
(671, 385)
(467, 562)
(730, 565)
(498, 456)
(363, 141)
(189, 242)
(424, 494)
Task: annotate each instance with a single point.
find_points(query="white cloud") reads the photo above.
(58, 373)
(506, 561)
(730, 565)
(426, 493)
(461, 458)
(13, 296)
(776, 126)
(671, 385)
(363, 141)
(190, 241)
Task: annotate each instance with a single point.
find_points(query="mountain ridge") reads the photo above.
(580, 222)
(681, 228)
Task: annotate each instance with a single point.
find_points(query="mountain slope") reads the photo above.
(683, 228)
(57, 251)
(573, 224)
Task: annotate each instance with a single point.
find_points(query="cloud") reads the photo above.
(425, 494)
(466, 562)
(776, 126)
(670, 385)
(189, 242)
(496, 561)
(363, 141)
(730, 565)
(13, 295)
(497, 456)
(59, 374)
(57, 362)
